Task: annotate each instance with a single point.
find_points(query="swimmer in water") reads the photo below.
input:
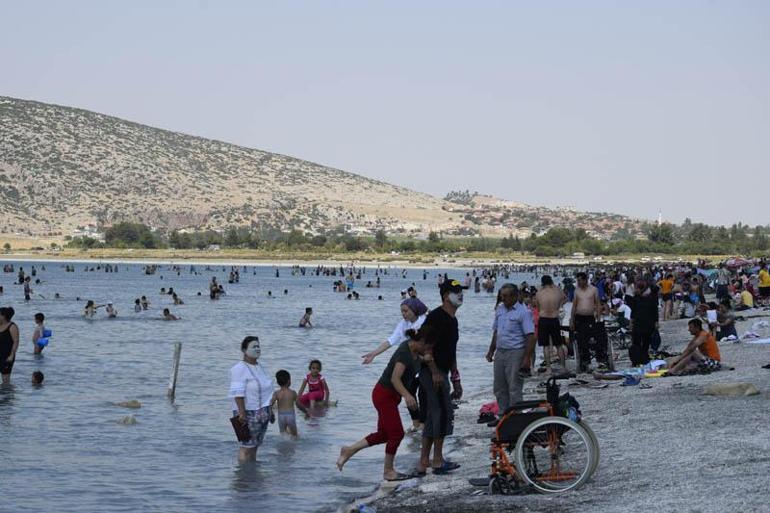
(145, 303)
(177, 299)
(90, 310)
(137, 305)
(168, 316)
(38, 333)
(305, 321)
(111, 311)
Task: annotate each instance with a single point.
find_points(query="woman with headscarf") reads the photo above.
(413, 312)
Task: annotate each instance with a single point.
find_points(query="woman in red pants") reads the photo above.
(392, 386)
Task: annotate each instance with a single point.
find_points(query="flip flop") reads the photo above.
(416, 473)
(400, 477)
(446, 468)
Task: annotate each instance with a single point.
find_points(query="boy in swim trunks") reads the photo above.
(284, 400)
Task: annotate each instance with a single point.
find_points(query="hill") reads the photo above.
(62, 168)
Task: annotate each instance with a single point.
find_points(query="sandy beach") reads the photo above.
(666, 448)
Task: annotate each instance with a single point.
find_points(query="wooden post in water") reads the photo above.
(174, 370)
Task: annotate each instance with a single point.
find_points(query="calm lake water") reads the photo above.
(62, 448)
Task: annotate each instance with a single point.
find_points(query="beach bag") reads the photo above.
(241, 429)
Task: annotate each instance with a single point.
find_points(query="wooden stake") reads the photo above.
(174, 370)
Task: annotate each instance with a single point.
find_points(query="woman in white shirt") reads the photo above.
(251, 390)
(413, 312)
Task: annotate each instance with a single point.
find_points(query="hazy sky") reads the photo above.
(623, 106)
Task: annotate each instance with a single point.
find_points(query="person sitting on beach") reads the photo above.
(745, 298)
(168, 316)
(725, 321)
(305, 321)
(701, 353)
(395, 383)
(317, 389)
(284, 399)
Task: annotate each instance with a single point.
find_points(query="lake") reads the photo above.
(62, 446)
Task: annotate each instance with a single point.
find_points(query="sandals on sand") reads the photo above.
(401, 477)
(446, 468)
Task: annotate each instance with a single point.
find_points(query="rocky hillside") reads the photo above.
(62, 168)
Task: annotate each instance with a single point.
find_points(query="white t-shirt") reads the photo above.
(626, 311)
(252, 383)
(399, 334)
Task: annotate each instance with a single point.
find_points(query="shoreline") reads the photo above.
(668, 437)
(253, 258)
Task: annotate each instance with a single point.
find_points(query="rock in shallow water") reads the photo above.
(128, 420)
(133, 403)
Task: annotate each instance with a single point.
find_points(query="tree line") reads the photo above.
(688, 238)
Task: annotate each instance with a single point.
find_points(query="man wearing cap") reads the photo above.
(435, 377)
(513, 342)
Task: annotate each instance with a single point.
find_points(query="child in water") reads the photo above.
(168, 316)
(37, 378)
(317, 389)
(305, 321)
(38, 333)
(284, 399)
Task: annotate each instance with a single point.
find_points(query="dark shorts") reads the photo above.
(439, 414)
(6, 367)
(666, 297)
(549, 329)
(764, 292)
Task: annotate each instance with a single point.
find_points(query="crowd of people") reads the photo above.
(566, 313)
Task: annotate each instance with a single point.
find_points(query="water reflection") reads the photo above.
(7, 400)
(247, 477)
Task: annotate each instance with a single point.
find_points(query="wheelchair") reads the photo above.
(548, 447)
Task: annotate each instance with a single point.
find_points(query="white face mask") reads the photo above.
(456, 298)
(253, 350)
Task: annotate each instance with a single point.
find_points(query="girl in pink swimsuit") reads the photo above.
(317, 389)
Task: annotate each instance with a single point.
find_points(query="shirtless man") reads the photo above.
(586, 312)
(548, 300)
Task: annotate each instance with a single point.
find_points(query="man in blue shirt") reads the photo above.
(513, 342)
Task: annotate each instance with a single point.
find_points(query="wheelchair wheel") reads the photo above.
(554, 455)
(595, 446)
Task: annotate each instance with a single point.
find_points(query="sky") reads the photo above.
(611, 106)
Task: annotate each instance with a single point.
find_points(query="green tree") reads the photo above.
(232, 239)
(380, 238)
(663, 233)
(433, 237)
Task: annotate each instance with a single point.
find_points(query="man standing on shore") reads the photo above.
(548, 300)
(586, 312)
(513, 342)
(435, 376)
